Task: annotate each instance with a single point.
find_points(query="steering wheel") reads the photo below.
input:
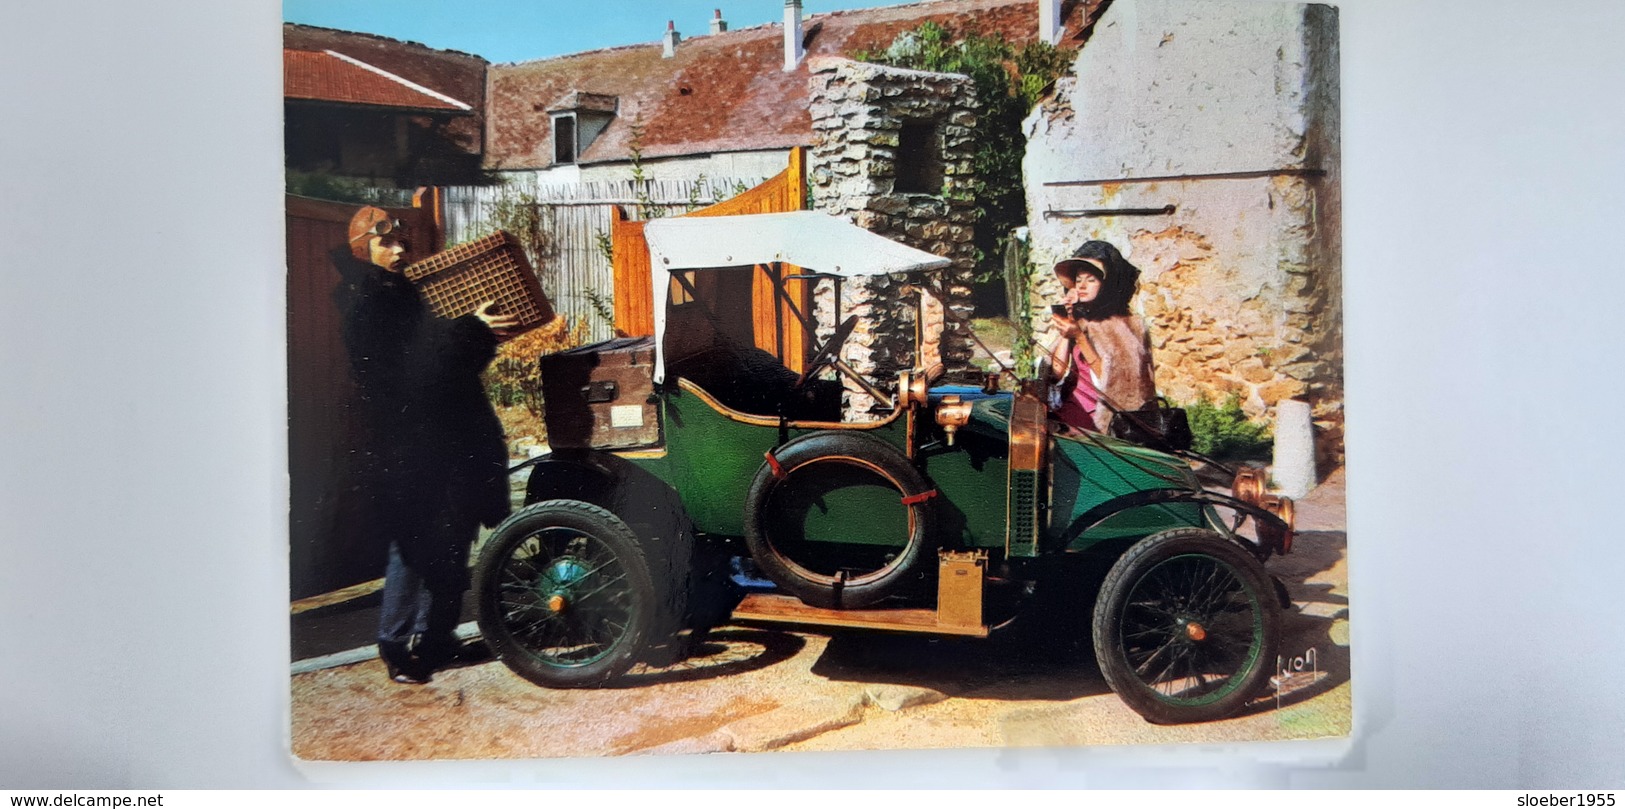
(826, 354)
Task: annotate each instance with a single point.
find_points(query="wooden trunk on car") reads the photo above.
(601, 396)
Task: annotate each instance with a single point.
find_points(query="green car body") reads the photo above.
(710, 459)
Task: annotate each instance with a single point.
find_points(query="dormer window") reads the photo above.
(578, 119)
(564, 139)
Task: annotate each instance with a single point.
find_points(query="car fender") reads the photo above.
(1275, 532)
(691, 576)
(577, 476)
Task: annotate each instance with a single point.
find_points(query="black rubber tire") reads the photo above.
(1181, 607)
(869, 580)
(565, 598)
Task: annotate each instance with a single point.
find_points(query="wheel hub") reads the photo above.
(559, 583)
(1195, 631)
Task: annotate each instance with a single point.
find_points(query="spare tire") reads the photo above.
(840, 519)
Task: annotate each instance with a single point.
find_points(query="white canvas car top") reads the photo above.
(816, 242)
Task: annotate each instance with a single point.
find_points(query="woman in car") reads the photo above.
(1102, 357)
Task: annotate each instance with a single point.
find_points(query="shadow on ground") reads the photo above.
(722, 653)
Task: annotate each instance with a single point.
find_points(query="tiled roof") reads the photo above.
(720, 92)
(453, 73)
(331, 76)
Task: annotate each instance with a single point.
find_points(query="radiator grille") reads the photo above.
(1023, 512)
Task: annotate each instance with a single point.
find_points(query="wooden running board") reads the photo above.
(782, 609)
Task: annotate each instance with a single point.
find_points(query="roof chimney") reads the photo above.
(669, 42)
(718, 25)
(1049, 21)
(792, 34)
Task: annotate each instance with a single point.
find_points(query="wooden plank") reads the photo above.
(634, 293)
(337, 596)
(781, 609)
(427, 201)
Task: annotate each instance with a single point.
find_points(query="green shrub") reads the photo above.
(1223, 431)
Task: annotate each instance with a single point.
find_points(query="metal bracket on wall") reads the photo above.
(1098, 212)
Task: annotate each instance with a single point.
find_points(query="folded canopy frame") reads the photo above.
(823, 245)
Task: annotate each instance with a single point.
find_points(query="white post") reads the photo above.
(1294, 470)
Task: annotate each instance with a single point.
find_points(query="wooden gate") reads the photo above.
(775, 328)
(323, 431)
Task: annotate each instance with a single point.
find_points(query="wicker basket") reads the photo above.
(457, 281)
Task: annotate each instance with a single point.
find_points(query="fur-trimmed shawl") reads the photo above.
(1125, 375)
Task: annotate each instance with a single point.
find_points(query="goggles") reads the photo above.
(383, 227)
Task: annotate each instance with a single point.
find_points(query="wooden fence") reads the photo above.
(577, 222)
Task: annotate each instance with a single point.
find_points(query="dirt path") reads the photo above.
(760, 689)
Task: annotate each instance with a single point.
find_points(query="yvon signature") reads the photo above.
(1294, 673)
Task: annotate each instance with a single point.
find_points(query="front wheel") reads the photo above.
(1186, 627)
(565, 597)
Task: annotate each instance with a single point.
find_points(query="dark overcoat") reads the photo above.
(434, 455)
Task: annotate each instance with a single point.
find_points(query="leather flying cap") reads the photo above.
(366, 223)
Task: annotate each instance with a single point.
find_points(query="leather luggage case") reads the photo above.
(600, 396)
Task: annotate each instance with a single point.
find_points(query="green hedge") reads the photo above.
(1223, 431)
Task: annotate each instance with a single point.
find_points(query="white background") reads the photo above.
(142, 503)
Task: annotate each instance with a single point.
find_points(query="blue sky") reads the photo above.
(517, 30)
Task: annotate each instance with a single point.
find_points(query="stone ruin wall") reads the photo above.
(858, 112)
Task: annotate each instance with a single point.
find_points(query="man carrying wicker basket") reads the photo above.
(434, 467)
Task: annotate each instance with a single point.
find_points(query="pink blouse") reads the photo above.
(1078, 395)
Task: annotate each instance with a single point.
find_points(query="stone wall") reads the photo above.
(1229, 113)
(861, 168)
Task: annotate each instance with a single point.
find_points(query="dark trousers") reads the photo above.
(411, 608)
(424, 596)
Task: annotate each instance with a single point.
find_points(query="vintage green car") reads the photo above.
(674, 457)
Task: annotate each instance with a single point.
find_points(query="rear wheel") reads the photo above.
(1186, 627)
(565, 597)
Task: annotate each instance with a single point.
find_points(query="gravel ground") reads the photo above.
(764, 689)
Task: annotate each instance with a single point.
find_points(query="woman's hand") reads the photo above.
(1066, 327)
(499, 324)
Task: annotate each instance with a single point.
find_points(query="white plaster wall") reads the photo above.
(1168, 87)
(1242, 229)
(557, 175)
(1188, 90)
(1244, 220)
